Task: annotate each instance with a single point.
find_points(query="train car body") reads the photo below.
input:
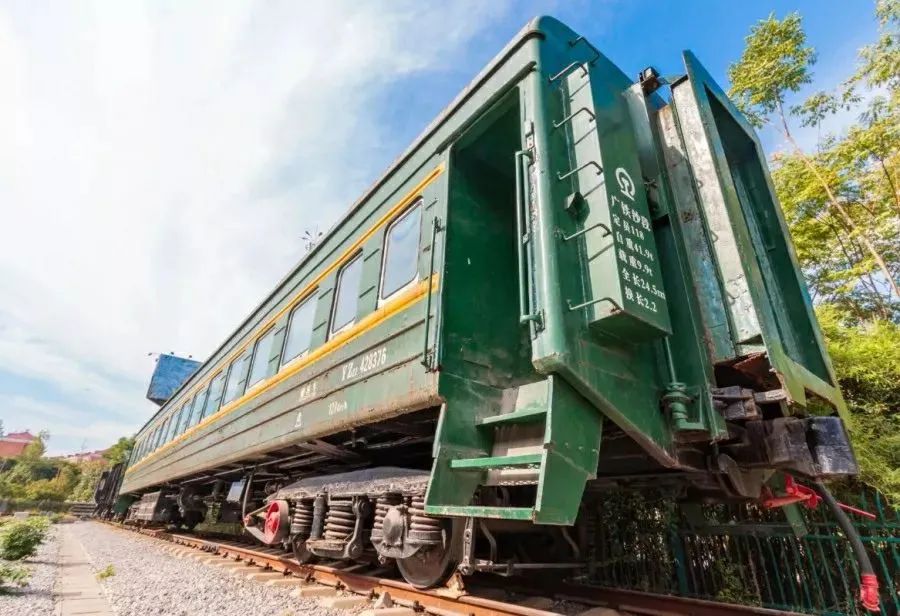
(568, 283)
(109, 502)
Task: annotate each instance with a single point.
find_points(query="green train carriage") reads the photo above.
(566, 285)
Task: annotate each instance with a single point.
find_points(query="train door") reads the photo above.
(497, 434)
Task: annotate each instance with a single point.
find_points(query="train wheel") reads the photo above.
(298, 545)
(433, 566)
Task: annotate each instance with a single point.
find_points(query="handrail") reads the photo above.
(523, 232)
(568, 69)
(435, 229)
(599, 225)
(569, 117)
(596, 51)
(591, 163)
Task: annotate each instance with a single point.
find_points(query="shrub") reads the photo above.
(11, 574)
(19, 540)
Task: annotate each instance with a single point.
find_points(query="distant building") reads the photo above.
(87, 456)
(14, 443)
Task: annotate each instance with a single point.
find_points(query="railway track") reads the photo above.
(477, 597)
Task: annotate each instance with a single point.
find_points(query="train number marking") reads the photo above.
(298, 423)
(336, 406)
(308, 391)
(368, 362)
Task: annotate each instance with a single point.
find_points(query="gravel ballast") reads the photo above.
(148, 580)
(35, 599)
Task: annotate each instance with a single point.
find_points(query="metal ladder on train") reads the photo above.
(550, 438)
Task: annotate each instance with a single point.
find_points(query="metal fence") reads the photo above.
(747, 554)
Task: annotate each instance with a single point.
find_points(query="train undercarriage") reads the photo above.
(343, 498)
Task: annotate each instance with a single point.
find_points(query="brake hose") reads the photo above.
(868, 582)
(249, 479)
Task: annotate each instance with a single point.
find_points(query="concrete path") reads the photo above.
(77, 591)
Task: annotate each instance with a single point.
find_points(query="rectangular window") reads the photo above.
(197, 409)
(237, 376)
(346, 299)
(134, 455)
(181, 422)
(400, 263)
(156, 435)
(215, 395)
(262, 351)
(299, 334)
(167, 427)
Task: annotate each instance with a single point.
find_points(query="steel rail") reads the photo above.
(456, 599)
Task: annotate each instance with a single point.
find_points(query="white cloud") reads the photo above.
(159, 163)
(71, 429)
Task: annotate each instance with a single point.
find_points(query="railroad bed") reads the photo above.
(360, 588)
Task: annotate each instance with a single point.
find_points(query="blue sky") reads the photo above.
(161, 161)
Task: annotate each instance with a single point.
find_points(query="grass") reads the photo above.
(107, 572)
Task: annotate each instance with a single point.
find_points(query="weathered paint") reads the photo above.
(524, 183)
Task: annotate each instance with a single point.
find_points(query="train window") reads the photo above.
(134, 455)
(400, 263)
(299, 334)
(346, 300)
(262, 351)
(181, 420)
(167, 427)
(198, 407)
(215, 395)
(237, 376)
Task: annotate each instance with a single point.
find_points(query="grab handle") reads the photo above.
(426, 354)
(523, 237)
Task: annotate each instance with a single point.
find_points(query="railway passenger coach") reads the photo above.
(573, 281)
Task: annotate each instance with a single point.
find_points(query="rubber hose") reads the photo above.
(868, 592)
(246, 498)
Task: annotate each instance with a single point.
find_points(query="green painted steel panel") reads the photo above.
(528, 459)
(624, 378)
(565, 281)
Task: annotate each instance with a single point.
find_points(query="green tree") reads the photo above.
(31, 465)
(842, 204)
(44, 490)
(87, 482)
(32, 476)
(839, 185)
(866, 358)
(120, 451)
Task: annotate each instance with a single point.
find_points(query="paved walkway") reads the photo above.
(77, 591)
